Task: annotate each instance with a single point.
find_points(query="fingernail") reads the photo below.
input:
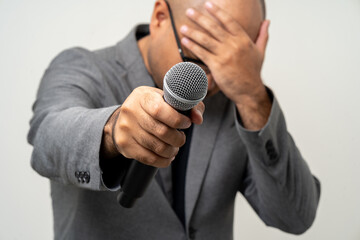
(190, 12)
(183, 29)
(184, 40)
(209, 4)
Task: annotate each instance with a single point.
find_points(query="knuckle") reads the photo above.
(214, 26)
(181, 140)
(160, 148)
(139, 91)
(205, 40)
(165, 163)
(125, 109)
(227, 21)
(249, 44)
(177, 122)
(123, 126)
(216, 64)
(225, 58)
(155, 108)
(141, 88)
(150, 160)
(121, 142)
(190, 32)
(196, 16)
(126, 154)
(123, 148)
(162, 131)
(150, 144)
(173, 151)
(149, 124)
(142, 159)
(203, 56)
(236, 46)
(243, 45)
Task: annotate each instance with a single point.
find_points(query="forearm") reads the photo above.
(69, 118)
(254, 110)
(278, 183)
(68, 141)
(284, 194)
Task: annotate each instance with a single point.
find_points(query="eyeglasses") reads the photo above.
(183, 57)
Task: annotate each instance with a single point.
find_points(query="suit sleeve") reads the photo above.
(278, 183)
(67, 125)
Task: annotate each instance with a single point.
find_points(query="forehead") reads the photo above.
(248, 13)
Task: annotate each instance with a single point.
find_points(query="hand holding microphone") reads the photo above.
(149, 129)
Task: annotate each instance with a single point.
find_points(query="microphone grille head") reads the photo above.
(185, 85)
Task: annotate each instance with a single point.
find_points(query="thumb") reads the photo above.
(263, 37)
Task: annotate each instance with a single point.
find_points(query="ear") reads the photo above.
(160, 17)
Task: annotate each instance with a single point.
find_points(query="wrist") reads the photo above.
(254, 109)
(254, 99)
(108, 144)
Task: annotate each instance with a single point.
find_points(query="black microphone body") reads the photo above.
(136, 181)
(185, 85)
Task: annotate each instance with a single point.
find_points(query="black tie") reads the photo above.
(178, 168)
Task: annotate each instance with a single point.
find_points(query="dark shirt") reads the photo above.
(178, 167)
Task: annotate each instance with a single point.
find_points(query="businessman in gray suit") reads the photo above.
(96, 111)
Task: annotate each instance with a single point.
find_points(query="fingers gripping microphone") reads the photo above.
(185, 85)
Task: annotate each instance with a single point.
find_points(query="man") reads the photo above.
(95, 111)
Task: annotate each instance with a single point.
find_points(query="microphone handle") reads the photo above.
(137, 179)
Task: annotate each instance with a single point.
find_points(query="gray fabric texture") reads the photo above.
(78, 93)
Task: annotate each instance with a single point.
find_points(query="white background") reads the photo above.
(312, 65)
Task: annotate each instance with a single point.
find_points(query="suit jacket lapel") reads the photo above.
(164, 179)
(202, 145)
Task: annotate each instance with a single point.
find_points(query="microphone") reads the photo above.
(184, 85)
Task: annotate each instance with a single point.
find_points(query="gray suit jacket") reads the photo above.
(78, 93)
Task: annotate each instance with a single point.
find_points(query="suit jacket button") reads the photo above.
(269, 145)
(273, 156)
(86, 177)
(271, 152)
(77, 174)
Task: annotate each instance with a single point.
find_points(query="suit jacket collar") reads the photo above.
(129, 57)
